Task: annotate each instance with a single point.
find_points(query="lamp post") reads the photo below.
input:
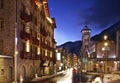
(15, 56)
(105, 50)
(15, 48)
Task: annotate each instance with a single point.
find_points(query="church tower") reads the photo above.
(85, 37)
(85, 46)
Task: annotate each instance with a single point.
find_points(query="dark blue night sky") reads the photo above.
(72, 15)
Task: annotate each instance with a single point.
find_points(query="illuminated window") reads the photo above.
(58, 56)
(45, 42)
(27, 27)
(38, 36)
(1, 23)
(1, 3)
(45, 52)
(50, 53)
(28, 46)
(38, 50)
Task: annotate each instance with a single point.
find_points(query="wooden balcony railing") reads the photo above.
(25, 35)
(35, 41)
(43, 32)
(26, 17)
(25, 55)
(43, 45)
(29, 55)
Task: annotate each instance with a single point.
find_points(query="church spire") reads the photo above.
(86, 28)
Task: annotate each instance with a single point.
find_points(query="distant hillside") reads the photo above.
(74, 47)
(110, 32)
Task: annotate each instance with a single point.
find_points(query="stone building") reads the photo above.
(86, 32)
(27, 44)
(99, 56)
(106, 56)
(102, 56)
(118, 46)
(75, 60)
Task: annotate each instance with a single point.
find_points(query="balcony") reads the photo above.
(35, 41)
(29, 55)
(36, 57)
(25, 35)
(43, 45)
(25, 55)
(43, 32)
(26, 17)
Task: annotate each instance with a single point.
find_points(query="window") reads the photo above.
(45, 52)
(27, 46)
(86, 46)
(27, 27)
(1, 46)
(38, 36)
(1, 3)
(1, 23)
(38, 50)
(51, 54)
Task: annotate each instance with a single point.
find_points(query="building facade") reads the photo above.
(27, 44)
(103, 56)
(118, 46)
(75, 60)
(85, 46)
(63, 59)
(106, 56)
(99, 56)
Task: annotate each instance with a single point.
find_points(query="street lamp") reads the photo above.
(103, 49)
(105, 44)
(105, 37)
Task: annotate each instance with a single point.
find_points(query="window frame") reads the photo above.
(1, 23)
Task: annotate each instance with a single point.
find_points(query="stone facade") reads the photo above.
(118, 46)
(33, 44)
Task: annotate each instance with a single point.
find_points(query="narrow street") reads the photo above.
(63, 78)
(70, 76)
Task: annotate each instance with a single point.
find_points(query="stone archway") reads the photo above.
(31, 75)
(23, 72)
(51, 68)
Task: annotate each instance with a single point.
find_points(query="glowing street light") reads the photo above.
(105, 44)
(105, 37)
(103, 49)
